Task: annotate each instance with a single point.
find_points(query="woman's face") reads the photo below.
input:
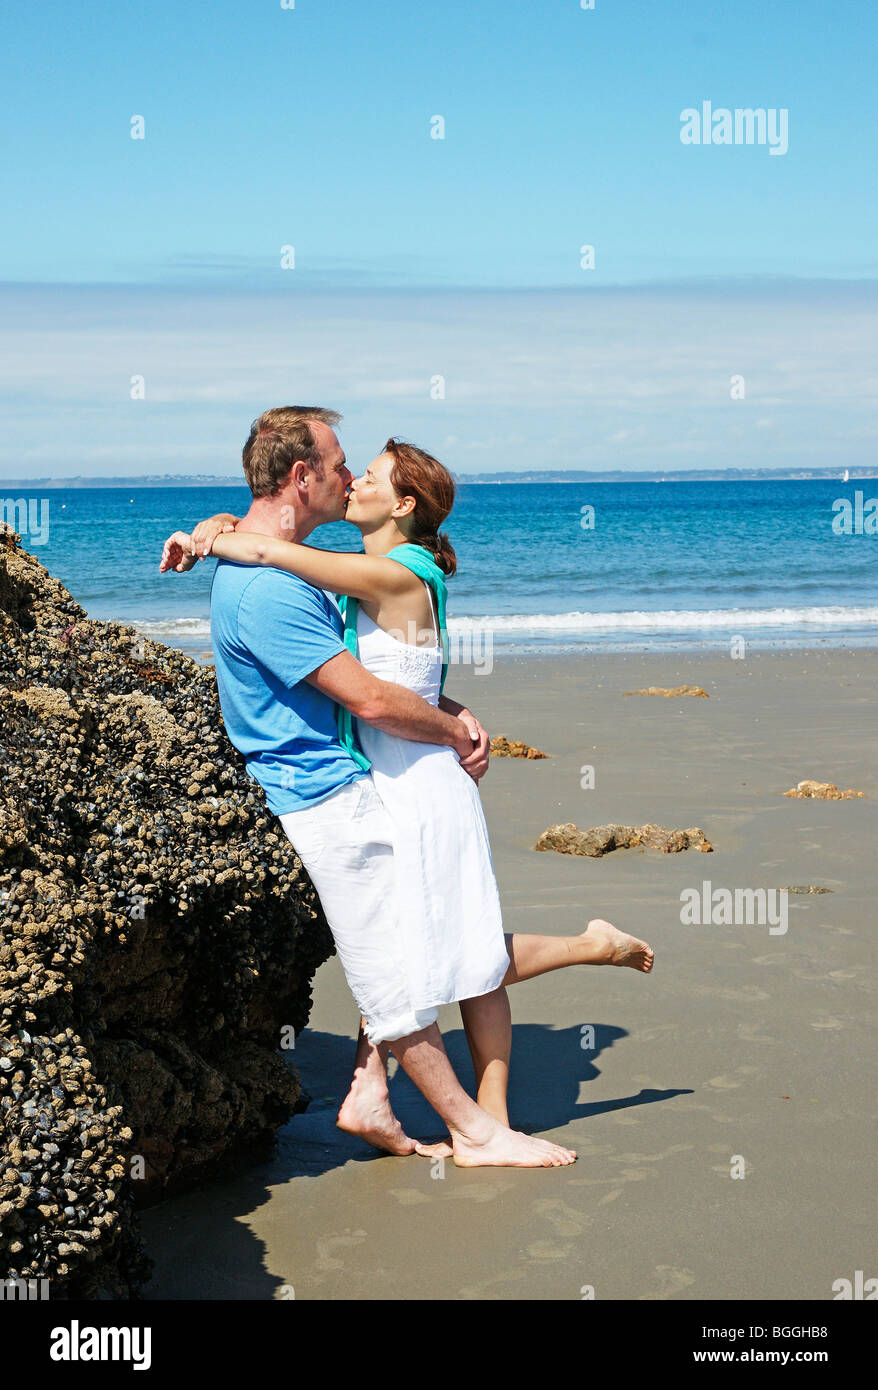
(372, 499)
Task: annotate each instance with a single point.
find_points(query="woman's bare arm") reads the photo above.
(361, 576)
(205, 532)
(183, 550)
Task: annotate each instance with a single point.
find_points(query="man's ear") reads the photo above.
(299, 478)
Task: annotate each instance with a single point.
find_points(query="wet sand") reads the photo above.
(742, 1051)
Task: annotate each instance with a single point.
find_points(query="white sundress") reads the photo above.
(448, 899)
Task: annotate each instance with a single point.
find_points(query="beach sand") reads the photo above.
(742, 1046)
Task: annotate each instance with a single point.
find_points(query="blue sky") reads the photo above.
(310, 127)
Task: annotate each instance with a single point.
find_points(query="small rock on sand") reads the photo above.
(511, 748)
(805, 888)
(823, 791)
(569, 839)
(694, 690)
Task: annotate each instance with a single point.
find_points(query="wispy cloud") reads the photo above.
(494, 380)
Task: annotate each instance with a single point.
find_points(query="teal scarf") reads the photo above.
(420, 562)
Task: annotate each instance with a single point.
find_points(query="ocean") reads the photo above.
(672, 566)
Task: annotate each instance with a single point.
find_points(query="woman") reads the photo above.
(394, 607)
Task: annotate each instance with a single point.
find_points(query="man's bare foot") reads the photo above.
(371, 1117)
(508, 1148)
(616, 947)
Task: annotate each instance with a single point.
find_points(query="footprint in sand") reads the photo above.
(344, 1240)
(654, 1158)
(547, 1250)
(566, 1219)
(747, 1032)
(746, 994)
(498, 1288)
(626, 1175)
(480, 1191)
(728, 1083)
(409, 1196)
(657, 1031)
(714, 1114)
(671, 1281)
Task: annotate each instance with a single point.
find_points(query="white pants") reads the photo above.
(346, 844)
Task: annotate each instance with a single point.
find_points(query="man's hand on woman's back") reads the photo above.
(477, 759)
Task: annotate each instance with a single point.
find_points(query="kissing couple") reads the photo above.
(339, 708)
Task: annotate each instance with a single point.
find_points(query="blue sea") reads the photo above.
(671, 565)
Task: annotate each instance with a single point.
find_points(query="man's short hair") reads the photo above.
(279, 438)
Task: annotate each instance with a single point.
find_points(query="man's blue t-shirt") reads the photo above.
(270, 630)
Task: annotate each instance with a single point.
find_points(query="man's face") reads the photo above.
(327, 495)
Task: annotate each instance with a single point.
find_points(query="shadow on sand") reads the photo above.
(204, 1250)
(547, 1069)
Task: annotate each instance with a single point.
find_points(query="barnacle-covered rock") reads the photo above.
(159, 937)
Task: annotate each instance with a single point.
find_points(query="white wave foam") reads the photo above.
(665, 620)
(172, 627)
(669, 620)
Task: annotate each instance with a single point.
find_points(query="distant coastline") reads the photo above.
(567, 475)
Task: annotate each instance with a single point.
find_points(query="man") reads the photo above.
(281, 669)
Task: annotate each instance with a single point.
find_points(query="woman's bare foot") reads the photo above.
(508, 1148)
(442, 1149)
(609, 946)
(370, 1116)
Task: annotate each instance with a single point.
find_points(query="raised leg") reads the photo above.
(487, 1021)
(600, 944)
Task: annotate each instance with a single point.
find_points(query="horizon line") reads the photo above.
(739, 280)
(828, 473)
